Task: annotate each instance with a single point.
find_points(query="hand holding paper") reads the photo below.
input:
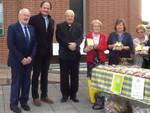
(90, 42)
(87, 49)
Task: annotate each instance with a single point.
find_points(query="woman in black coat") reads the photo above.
(120, 43)
(146, 62)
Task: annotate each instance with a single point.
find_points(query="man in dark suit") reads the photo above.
(69, 37)
(44, 28)
(22, 46)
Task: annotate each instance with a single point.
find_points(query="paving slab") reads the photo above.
(84, 106)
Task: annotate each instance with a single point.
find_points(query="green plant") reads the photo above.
(145, 22)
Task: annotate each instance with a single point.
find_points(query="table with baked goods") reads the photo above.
(102, 77)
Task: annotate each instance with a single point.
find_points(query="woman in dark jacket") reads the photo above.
(146, 62)
(120, 43)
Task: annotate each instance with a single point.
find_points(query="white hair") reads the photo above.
(24, 9)
(69, 11)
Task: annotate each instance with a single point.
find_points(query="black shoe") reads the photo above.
(25, 107)
(15, 109)
(64, 99)
(74, 100)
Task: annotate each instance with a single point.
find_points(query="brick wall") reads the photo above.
(105, 10)
(10, 16)
(134, 15)
(109, 10)
(11, 8)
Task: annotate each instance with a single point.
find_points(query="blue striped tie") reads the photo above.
(27, 36)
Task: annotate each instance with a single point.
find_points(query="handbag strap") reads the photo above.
(97, 106)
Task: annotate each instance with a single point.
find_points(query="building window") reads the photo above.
(1, 19)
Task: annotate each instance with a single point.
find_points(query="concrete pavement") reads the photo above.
(84, 106)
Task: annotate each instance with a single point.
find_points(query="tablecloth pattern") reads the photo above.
(102, 80)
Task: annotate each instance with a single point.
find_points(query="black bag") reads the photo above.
(99, 101)
(96, 61)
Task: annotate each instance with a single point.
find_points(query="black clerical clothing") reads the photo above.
(69, 60)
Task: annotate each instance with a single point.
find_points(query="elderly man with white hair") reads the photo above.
(69, 37)
(22, 46)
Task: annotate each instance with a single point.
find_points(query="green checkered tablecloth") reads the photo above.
(102, 80)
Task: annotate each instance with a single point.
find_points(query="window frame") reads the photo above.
(1, 19)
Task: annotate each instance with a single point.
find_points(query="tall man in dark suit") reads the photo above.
(44, 28)
(69, 37)
(22, 46)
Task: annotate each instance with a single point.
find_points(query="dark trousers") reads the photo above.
(20, 85)
(69, 77)
(90, 66)
(146, 64)
(40, 66)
